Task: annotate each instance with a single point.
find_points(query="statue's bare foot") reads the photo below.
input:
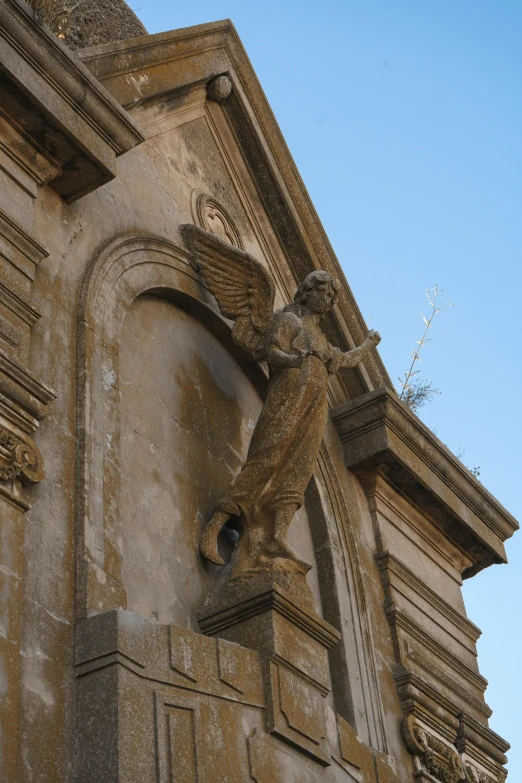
(209, 536)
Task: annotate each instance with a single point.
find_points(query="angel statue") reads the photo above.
(286, 440)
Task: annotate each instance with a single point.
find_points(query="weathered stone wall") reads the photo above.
(120, 375)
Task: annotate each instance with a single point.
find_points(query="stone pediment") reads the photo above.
(156, 76)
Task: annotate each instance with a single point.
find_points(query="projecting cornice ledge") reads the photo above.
(57, 106)
(379, 433)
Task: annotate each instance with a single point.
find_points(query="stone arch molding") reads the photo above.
(128, 267)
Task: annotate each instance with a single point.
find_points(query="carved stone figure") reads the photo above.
(287, 438)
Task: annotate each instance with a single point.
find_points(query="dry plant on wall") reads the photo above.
(60, 15)
(415, 391)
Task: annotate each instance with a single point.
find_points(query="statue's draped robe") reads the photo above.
(287, 437)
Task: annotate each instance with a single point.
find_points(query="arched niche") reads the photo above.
(167, 405)
(155, 356)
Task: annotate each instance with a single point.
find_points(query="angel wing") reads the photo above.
(244, 289)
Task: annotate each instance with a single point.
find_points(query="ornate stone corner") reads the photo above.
(23, 393)
(435, 758)
(20, 458)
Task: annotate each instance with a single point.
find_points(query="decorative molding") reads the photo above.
(10, 333)
(21, 161)
(19, 248)
(211, 215)
(449, 682)
(19, 459)
(436, 680)
(389, 564)
(18, 306)
(24, 388)
(400, 620)
(479, 741)
(433, 755)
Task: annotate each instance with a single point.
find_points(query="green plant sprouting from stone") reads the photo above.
(416, 392)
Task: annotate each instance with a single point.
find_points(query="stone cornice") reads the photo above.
(150, 68)
(62, 110)
(379, 433)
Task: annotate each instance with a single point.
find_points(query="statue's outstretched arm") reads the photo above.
(352, 358)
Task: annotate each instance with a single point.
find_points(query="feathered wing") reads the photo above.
(243, 288)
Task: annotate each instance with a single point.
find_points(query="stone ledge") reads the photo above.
(378, 432)
(58, 106)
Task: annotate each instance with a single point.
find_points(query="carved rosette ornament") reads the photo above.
(433, 756)
(19, 459)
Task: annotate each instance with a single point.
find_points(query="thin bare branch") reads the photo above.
(412, 391)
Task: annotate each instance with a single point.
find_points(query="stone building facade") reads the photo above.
(125, 410)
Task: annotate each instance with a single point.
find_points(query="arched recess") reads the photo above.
(128, 268)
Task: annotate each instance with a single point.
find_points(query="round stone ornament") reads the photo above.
(219, 88)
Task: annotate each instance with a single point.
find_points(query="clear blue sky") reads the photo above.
(405, 121)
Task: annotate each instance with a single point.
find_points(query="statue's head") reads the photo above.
(317, 292)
